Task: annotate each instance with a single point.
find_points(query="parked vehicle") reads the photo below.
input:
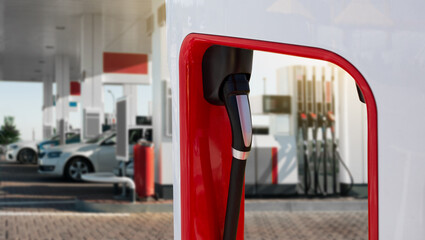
(22, 152)
(95, 155)
(26, 151)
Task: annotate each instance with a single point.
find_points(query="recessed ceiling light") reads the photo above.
(50, 47)
(60, 27)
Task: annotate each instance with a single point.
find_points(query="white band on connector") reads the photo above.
(239, 154)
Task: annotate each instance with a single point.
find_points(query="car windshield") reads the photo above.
(100, 137)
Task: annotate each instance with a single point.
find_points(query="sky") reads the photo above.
(23, 100)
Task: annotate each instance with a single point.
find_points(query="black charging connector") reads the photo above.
(234, 92)
(226, 72)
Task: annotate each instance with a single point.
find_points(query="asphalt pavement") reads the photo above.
(42, 207)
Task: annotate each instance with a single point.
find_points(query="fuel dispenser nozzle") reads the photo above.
(226, 72)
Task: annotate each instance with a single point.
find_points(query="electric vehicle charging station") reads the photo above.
(186, 46)
(191, 126)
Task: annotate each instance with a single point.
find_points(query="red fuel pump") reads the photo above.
(144, 169)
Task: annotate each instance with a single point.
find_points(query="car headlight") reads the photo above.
(54, 154)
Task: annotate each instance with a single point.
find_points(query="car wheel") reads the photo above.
(27, 155)
(76, 167)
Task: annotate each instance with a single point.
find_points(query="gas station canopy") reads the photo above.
(32, 32)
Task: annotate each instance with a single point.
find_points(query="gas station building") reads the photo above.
(78, 47)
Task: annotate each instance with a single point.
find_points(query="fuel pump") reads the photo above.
(330, 119)
(335, 156)
(226, 72)
(313, 123)
(303, 128)
(324, 128)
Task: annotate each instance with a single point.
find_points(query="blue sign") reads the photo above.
(73, 104)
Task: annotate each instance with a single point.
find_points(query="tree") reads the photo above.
(8, 132)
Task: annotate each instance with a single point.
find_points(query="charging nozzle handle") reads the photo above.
(235, 90)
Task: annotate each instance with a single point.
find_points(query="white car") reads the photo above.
(26, 151)
(23, 152)
(95, 155)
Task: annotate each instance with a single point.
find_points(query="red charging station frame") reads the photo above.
(205, 137)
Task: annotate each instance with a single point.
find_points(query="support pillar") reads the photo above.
(130, 91)
(47, 107)
(160, 77)
(62, 78)
(92, 70)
